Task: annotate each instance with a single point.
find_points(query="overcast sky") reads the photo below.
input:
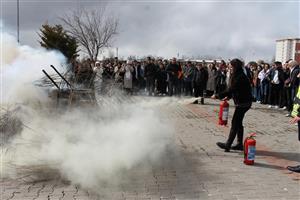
(194, 28)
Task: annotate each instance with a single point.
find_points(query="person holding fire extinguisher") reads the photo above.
(296, 119)
(240, 91)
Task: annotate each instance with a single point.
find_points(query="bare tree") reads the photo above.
(93, 29)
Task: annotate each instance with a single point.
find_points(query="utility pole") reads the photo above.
(18, 21)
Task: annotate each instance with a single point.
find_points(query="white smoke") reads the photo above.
(20, 66)
(86, 146)
(90, 147)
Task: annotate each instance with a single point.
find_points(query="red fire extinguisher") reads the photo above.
(249, 149)
(223, 113)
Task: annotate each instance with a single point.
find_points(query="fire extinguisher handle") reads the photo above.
(253, 135)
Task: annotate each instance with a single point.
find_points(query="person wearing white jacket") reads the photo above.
(276, 85)
(264, 83)
(98, 69)
(128, 70)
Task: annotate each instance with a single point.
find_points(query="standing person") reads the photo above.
(136, 79)
(256, 83)
(149, 74)
(285, 91)
(110, 70)
(292, 82)
(211, 82)
(128, 70)
(180, 85)
(276, 83)
(173, 71)
(98, 70)
(264, 83)
(143, 79)
(254, 80)
(282, 79)
(188, 73)
(270, 76)
(200, 77)
(260, 67)
(161, 80)
(296, 119)
(240, 91)
(118, 73)
(220, 85)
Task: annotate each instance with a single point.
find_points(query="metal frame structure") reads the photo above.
(73, 95)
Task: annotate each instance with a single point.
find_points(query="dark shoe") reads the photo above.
(294, 168)
(195, 102)
(223, 146)
(202, 101)
(238, 147)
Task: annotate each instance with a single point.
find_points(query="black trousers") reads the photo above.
(274, 94)
(237, 128)
(188, 88)
(161, 86)
(291, 93)
(283, 97)
(198, 90)
(173, 86)
(220, 88)
(150, 85)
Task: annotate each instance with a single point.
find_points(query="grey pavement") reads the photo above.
(195, 168)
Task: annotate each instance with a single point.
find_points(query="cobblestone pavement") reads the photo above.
(196, 169)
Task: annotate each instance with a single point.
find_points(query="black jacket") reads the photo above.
(281, 77)
(239, 90)
(136, 74)
(294, 79)
(172, 70)
(200, 77)
(220, 78)
(161, 75)
(150, 70)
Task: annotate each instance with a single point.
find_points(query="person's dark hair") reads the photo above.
(189, 62)
(277, 63)
(237, 69)
(237, 66)
(267, 65)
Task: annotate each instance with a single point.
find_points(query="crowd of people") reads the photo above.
(274, 84)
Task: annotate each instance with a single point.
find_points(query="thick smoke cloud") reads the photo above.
(20, 66)
(86, 146)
